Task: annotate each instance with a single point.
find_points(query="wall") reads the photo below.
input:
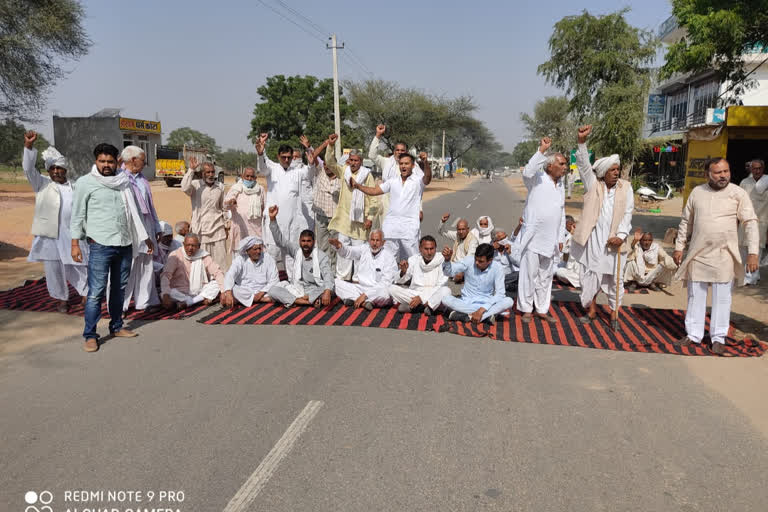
(75, 138)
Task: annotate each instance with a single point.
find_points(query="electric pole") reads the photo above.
(336, 111)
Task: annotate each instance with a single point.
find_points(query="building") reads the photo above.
(76, 137)
(683, 101)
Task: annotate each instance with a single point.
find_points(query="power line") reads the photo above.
(287, 18)
(318, 28)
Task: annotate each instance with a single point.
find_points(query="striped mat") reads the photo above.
(641, 330)
(33, 296)
(557, 285)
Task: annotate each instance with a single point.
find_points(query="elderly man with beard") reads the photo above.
(605, 223)
(710, 224)
(649, 265)
(427, 278)
(245, 200)
(464, 241)
(53, 210)
(483, 295)
(756, 186)
(354, 212)
(543, 224)
(311, 281)
(141, 282)
(207, 197)
(284, 190)
(401, 223)
(191, 276)
(376, 271)
(104, 212)
(252, 274)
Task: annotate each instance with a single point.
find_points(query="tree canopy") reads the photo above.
(602, 63)
(194, 138)
(523, 151)
(236, 159)
(551, 118)
(725, 35)
(12, 144)
(300, 105)
(34, 38)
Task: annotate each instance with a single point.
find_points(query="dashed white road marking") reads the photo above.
(256, 482)
(470, 204)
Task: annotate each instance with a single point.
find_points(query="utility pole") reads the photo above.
(442, 171)
(336, 110)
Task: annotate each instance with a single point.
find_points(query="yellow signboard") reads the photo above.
(139, 125)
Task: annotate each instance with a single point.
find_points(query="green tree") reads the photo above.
(12, 144)
(721, 35)
(236, 159)
(300, 105)
(551, 118)
(186, 135)
(602, 63)
(35, 37)
(523, 152)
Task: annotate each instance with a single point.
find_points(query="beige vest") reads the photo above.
(593, 201)
(464, 242)
(47, 205)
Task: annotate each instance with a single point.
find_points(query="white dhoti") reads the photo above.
(535, 283)
(344, 265)
(57, 274)
(377, 295)
(431, 296)
(210, 291)
(570, 274)
(592, 282)
(634, 273)
(141, 283)
(695, 315)
(751, 277)
(402, 248)
(244, 294)
(218, 251)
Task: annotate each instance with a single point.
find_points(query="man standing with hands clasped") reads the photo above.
(710, 222)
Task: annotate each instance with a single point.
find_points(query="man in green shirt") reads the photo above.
(104, 213)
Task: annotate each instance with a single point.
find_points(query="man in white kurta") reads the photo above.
(53, 209)
(245, 200)
(425, 272)
(207, 197)
(141, 282)
(376, 271)
(709, 224)
(604, 225)
(543, 223)
(252, 274)
(648, 264)
(464, 240)
(401, 223)
(284, 185)
(756, 186)
(389, 166)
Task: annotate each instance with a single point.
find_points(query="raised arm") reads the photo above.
(277, 234)
(37, 180)
(450, 235)
(188, 183)
(458, 267)
(262, 162)
(424, 161)
(330, 157)
(536, 163)
(373, 150)
(586, 172)
(377, 190)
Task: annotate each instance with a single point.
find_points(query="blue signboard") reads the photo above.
(656, 104)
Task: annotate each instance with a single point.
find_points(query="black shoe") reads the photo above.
(428, 311)
(456, 316)
(491, 320)
(349, 303)
(403, 308)
(368, 305)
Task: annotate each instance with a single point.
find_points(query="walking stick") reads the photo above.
(615, 321)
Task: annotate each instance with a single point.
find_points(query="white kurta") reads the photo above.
(56, 253)
(758, 194)
(246, 277)
(375, 273)
(427, 281)
(284, 189)
(544, 211)
(402, 218)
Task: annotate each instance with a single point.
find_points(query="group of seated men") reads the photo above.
(418, 284)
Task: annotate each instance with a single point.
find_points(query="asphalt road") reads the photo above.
(396, 421)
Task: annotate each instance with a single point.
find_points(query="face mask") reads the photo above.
(248, 183)
(295, 164)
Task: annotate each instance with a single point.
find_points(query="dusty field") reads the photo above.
(21, 329)
(738, 379)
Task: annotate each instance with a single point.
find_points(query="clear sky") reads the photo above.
(198, 63)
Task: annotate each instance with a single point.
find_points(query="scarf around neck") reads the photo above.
(357, 204)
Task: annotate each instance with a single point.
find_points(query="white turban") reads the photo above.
(603, 164)
(248, 242)
(53, 157)
(165, 228)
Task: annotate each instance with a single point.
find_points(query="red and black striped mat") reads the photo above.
(33, 296)
(557, 285)
(641, 330)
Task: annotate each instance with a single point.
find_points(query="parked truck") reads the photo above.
(171, 163)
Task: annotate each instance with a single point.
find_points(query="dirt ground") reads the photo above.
(737, 379)
(22, 329)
